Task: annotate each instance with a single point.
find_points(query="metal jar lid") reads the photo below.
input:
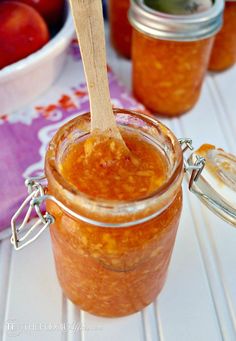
(187, 27)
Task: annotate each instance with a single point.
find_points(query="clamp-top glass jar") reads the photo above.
(120, 28)
(170, 55)
(112, 256)
(224, 50)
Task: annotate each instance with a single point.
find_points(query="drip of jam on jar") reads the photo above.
(101, 167)
(220, 165)
(179, 6)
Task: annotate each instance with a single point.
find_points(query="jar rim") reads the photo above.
(73, 194)
(166, 26)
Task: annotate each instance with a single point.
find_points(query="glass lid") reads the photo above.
(215, 181)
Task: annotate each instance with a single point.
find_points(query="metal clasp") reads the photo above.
(20, 234)
(194, 168)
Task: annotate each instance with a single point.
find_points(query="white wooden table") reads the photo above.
(198, 302)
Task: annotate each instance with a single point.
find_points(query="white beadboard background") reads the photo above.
(198, 302)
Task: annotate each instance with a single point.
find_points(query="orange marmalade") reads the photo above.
(168, 75)
(170, 54)
(101, 168)
(118, 266)
(120, 28)
(224, 49)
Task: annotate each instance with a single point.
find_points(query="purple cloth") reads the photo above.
(24, 135)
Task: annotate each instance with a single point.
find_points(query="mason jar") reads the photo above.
(120, 28)
(170, 55)
(223, 54)
(112, 257)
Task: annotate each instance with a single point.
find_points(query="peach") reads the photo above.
(51, 10)
(22, 31)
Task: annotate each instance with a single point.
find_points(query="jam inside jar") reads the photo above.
(170, 55)
(224, 50)
(168, 80)
(120, 28)
(113, 261)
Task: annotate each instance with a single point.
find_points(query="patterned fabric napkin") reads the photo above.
(24, 135)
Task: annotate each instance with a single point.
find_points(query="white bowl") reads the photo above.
(26, 79)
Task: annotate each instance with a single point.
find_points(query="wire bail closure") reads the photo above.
(194, 168)
(24, 235)
(33, 201)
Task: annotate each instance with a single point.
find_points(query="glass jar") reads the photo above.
(224, 50)
(117, 264)
(112, 257)
(120, 28)
(170, 55)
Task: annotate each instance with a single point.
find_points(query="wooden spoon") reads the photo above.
(88, 19)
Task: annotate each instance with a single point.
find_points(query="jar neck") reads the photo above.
(117, 214)
(164, 26)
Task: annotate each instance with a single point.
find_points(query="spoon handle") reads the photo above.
(89, 25)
